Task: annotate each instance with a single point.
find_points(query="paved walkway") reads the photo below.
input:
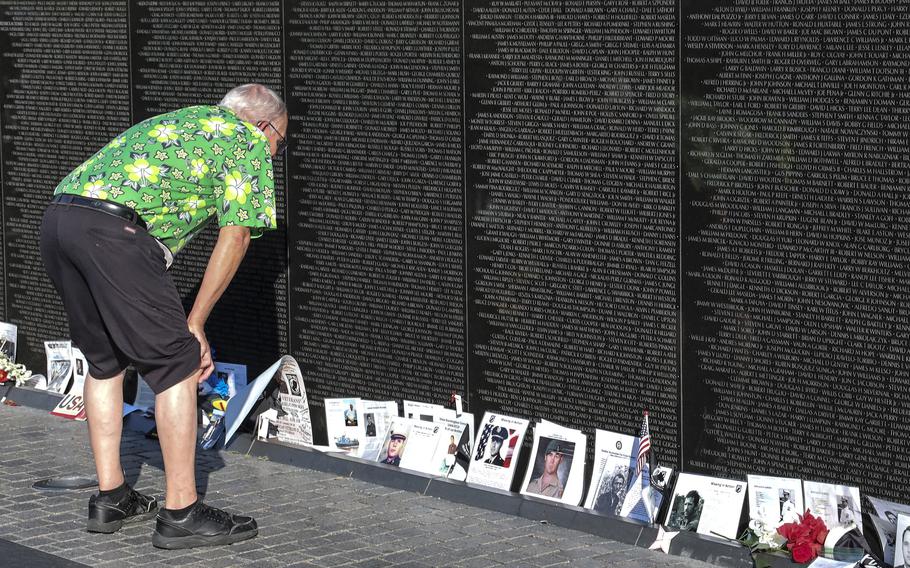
(307, 518)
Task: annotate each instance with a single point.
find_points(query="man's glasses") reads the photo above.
(282, 141)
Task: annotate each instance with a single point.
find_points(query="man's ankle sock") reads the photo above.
(180, 514)
(116, 493)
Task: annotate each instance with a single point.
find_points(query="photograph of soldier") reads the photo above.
(498, 435)
(686, 512)
(905, 547)
(788, 511)
(394, 447)
(370, 425)
(551, 467)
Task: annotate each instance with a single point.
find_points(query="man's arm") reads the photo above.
(223, 263)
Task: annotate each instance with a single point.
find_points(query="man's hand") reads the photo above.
(206, 366)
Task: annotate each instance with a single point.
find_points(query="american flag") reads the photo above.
(644, 445)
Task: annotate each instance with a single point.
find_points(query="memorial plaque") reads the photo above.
(187, 53)
(377, 206)
(64, 94)
(572, 205)
(795, 123)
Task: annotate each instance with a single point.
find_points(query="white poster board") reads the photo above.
(707, 505)
(557, 466)
(495, 455)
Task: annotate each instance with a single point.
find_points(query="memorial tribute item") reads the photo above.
(344, 423)
(377, 415)
(884, 521)
(775, 500)
(495, 453)
(225, 379)
(292, 422)
(837, 505)
(614, 470)
(72, 405)
(557, 467)
(453, 448)
(646, 490)
(12, 373)
(707, 505)
(902, 542)
(421, 445)
(59, 365)
(426, 411)
(8, 333)
(396, 441)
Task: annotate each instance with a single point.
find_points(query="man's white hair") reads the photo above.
(254, 102)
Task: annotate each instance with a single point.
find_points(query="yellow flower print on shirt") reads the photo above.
(117, 142)
(237, 188)
(194, 203)
(164, 133)
(217, 126)
(199, 168)
(142, 171)
(94, 189)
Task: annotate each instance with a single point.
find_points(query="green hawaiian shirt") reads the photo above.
(180, 169)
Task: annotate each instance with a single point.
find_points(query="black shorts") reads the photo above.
(121, 303)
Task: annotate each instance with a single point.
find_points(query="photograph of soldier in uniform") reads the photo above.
(788, 510)
(370, 424)
(686, 511)
(393, 448)
(490, 447)
(551, 467)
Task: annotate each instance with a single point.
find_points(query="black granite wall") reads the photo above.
(564, 209)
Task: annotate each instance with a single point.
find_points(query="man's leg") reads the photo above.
(175, 417)
(104, 409)
(187, 522)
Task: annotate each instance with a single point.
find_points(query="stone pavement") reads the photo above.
(307, 518)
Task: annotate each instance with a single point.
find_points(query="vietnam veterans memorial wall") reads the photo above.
(567, 210)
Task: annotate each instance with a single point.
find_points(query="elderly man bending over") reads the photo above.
(108, 238)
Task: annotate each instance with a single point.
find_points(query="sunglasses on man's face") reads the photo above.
(282, 141)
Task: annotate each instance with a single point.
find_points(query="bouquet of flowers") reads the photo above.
(806, 538)
(803, 540)
(10, 370)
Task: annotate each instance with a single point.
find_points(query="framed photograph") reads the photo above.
(775, 500)
(707, 505)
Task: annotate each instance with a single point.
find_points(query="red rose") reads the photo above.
(822, 535)
(4, 376)
(802, 552)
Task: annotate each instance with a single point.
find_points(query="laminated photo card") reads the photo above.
(495, 454)
(556, 470)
